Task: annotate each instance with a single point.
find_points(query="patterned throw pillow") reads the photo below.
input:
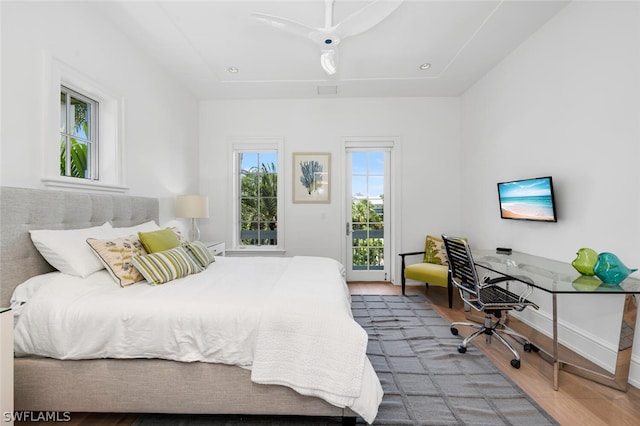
(164, 266)
(116, 254)
(434, 251)
(200, 252)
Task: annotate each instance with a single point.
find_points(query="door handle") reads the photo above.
(348, 229)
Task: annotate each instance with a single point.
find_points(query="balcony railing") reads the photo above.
(368, 256)
(259, 235)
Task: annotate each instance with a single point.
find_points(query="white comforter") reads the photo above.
(287, 319)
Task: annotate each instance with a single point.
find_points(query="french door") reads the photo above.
(367, 230)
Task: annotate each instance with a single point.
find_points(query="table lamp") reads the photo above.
(193, 207)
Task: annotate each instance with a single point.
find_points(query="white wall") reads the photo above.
(429, 135)
(161, 117)
(566, 103)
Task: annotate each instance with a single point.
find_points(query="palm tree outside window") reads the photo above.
(78, 135)
(259, 198)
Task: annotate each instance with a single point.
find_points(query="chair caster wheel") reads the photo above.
(462, 349)
(530, 347)
(515, 363)
(454, 331)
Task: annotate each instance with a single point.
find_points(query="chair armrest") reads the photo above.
(411, 253)
(403, 265)
(498, 280)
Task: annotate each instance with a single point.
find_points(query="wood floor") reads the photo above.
(577, 402)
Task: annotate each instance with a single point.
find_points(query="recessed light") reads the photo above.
(425, 66)
(232, 70)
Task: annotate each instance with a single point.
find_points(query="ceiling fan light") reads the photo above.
(327, 61)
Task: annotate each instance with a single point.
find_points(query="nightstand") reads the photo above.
(6, 364)
(217, 248)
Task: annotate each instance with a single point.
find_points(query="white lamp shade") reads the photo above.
(193, 206)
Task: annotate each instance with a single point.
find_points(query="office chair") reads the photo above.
(484, 295)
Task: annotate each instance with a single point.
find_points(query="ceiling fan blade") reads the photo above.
(286, 25)
(328, 13)
(366, 18)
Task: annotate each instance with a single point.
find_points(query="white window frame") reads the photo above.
(110, 122)
(253, 144)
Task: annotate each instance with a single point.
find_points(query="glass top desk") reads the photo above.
(557, 277)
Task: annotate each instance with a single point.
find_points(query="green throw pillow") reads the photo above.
(161, 240)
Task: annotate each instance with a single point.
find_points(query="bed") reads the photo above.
(144, 384)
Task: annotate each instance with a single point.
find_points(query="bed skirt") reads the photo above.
(155, 386)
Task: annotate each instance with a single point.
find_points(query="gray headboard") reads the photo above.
(24, 209)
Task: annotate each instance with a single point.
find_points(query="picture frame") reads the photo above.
(311, 177)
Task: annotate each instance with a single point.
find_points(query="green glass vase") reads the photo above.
(585, 261)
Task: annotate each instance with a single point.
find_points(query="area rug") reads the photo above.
(425, 380)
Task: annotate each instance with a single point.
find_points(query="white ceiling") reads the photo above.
(197, 42)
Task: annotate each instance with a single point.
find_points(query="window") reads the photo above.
(78, 135)
(83, 137)
(259, 195)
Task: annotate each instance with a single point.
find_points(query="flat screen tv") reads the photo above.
(527, 199)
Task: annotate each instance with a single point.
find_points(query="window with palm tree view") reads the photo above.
(78, 135)
(258, 198)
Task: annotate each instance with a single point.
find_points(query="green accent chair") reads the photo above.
(434, 268)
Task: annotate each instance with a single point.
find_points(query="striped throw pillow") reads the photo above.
(164, 266)
(200, 252)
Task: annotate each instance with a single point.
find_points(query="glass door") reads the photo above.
(367, 199)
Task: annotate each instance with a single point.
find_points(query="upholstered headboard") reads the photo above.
(24, 209)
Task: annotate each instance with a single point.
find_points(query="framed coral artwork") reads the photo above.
(311, 177)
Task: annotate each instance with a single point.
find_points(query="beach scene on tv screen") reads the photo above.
(526, 199)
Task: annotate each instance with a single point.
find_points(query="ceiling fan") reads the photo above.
(329, 36)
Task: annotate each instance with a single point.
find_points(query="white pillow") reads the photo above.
(67, 249)
(129, 230)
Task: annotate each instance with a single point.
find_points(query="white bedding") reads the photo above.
(287, 319)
